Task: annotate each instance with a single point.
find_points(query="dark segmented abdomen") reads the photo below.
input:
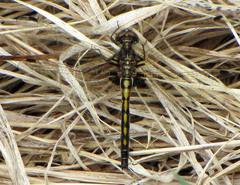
(126, 84)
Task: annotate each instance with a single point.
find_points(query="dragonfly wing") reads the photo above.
(139, 81)
(114, 78)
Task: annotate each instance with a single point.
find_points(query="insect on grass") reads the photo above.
(127, 61)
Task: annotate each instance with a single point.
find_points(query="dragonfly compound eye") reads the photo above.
(127, 35)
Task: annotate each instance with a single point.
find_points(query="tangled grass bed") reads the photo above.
(60, 114)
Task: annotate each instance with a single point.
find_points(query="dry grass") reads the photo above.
(60, 118)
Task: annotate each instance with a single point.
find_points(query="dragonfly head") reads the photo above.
(127, 37)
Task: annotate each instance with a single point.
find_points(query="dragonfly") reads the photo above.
(127, 61)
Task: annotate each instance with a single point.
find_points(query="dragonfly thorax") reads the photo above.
(127, 71)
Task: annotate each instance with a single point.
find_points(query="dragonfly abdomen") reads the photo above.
(126, 84)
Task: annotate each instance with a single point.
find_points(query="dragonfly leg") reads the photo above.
(141, 59)
(111, 37)
(114, 60)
